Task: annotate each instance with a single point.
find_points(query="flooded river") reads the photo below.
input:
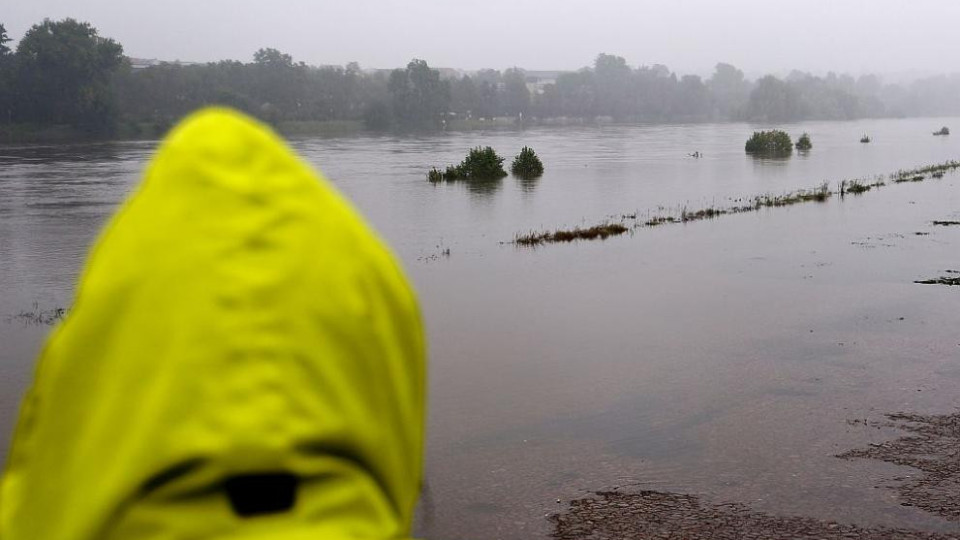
(730, 359)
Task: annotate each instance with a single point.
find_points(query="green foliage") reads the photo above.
(526, 164)
(482, 163)
(729, 90)
(774, 100)
(803, 143)
(418, 96)
(516, 97)
(6, 76)
(377, 115)
(4, 39)
(272, 57)
(65, 75)
(64, 72)
(769, 143)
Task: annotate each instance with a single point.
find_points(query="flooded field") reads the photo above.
(725, 361)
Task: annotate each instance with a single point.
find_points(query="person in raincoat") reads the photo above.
(244, 360)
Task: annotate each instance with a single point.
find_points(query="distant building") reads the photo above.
(537, 81)
(141, 63)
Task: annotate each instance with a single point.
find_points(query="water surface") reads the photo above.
(722, 358)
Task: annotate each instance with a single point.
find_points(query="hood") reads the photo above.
(244, 359)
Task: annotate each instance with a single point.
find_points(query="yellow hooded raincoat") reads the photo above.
(237, 324)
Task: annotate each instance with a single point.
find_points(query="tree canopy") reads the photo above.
(4, 39)
(63, 74)
(418, 96)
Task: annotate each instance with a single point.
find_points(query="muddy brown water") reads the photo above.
(722, 359)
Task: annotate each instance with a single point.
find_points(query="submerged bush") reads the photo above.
(943, 131)
(480, 164)
(527, 164)
(769, 143)
(865, 139)
(803, 143)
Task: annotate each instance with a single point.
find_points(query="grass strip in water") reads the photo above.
(942, 280)
(602, 232)
(820, 194)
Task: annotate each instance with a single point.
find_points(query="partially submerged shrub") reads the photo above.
(480, 164)
(769, 143)
(865, 139)
(526, 164)
(803, 143)
(943, 131)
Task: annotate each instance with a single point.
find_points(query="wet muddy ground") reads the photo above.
(653, 514)
(931, 445)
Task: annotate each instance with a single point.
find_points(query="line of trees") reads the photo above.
(65, 73)
(61, 73)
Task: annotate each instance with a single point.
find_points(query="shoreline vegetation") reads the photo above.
(684, 214)
(32, 133)
(63, 81)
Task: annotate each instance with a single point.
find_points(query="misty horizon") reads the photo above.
(896, 40)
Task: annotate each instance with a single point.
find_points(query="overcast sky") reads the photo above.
(689, 36)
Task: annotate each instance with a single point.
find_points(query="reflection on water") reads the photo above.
(65, 153)
(721, 357)
(527, 185)
(484, 187)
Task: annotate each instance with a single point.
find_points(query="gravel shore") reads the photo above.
(657, 515)
(931, 445)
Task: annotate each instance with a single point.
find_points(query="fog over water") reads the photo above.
(892, 37)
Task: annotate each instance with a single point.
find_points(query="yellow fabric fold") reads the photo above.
(236, 317)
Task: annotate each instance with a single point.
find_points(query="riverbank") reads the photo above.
(146, 131)
(652, 514)
(929, 447)
(152, 130)
(138, 131)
